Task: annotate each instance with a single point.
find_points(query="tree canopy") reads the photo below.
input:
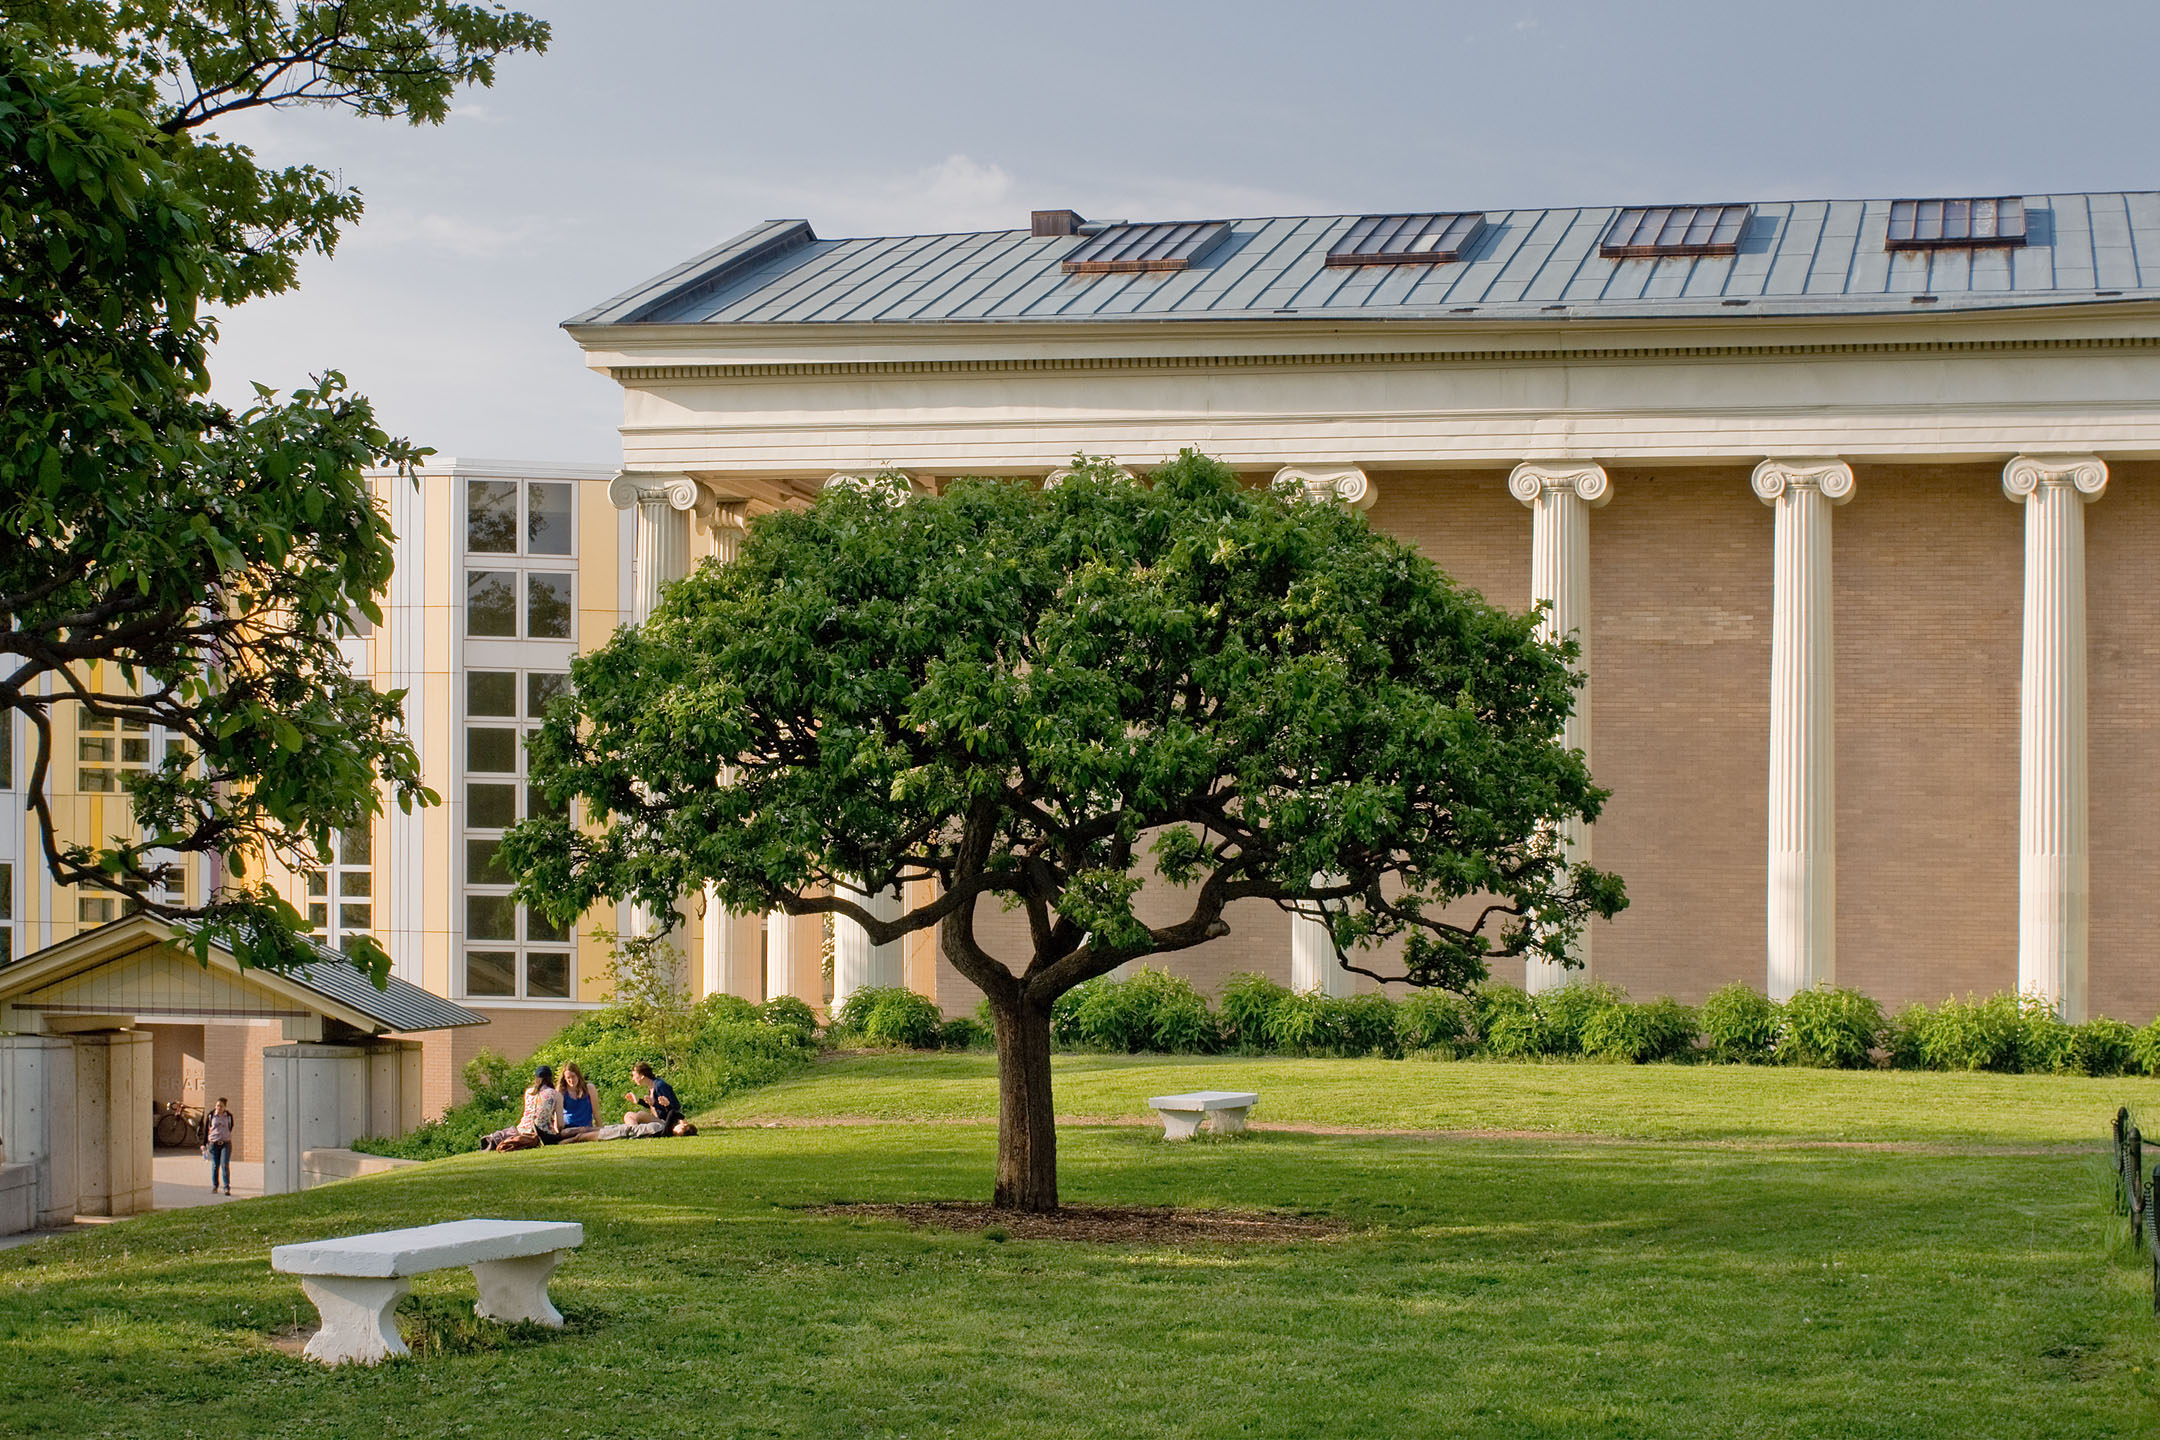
(172, 562)
(1047, 699)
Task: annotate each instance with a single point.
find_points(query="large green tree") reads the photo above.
(169, 561)
(1044, 699)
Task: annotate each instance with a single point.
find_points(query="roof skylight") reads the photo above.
(1956, 224)
(1408, 239)
(1129, 249)
(1650, 230)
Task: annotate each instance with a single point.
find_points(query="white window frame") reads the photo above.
(520, 947)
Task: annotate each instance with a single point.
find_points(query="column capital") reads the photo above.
(1322, 483)
(2025, 475)
(1534, 478)
(1773, 478)
(653, 487)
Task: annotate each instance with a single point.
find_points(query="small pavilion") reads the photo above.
(101, 1033)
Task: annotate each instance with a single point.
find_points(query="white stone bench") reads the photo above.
(356, 1282)
(1182, 1114)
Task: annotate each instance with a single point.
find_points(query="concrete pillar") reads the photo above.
(1802, 897)
(1314, 967)
(327, 1096)
(2054, 854)
(114, 1144)
(1561, 497)
(37, 1118)
(857, 964)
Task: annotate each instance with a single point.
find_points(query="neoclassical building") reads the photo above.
(1853, 505)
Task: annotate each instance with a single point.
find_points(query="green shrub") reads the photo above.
(1434, 1021)
(1664, 1029)
(785, 1012)
(1344, 1025)
(2046, 1042)
(492, 1081)
(1905, 1038)
(1830, 1028)
(1569, 1010)
(1153, 1011)
(1971, 1034)
(1510, 1024)
(890, 1015)
(2103, 1047)
(966, 1034)
(1741, 1024)
(2145, 1049)
(1247, 1001)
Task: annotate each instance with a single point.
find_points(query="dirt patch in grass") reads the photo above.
(1099, 1224)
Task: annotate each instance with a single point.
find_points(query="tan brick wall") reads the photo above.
(2122, 551)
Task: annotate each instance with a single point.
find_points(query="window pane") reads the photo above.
(318, 883)
(547, 605)
(491, 692)
(491, 517)
(7, 944)
(547, 974)
(547, 518)
(139, 726)
(539, 927)
(353, 846)
(88, 721)
(536, 803)
(7, 892)
(7, 751)
(98, 750)
(491, 807)
(491, 602)
(490, 972)
(318, 917)
(540, 691)
(355, 917)
(482, 866)
(94, 782)
(491, 748)
(490, 917)
(355, 884)
(135, 752)
(94, 909)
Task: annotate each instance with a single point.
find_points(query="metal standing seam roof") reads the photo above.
(401, 1006)
(1804, 257)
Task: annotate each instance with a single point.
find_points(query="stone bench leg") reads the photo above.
(1229, 1122)
(1181, 1124)
(515, 1291)
(359, 1318)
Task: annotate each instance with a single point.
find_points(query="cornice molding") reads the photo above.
(1773, 479)
(2024, 476)
(1588, 480)
(1551, 355)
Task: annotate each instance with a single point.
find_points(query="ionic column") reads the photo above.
(857, 964)
(663, 556)
(2054, 856)
(1802, 930)
(1314, 967)
(1561, 497)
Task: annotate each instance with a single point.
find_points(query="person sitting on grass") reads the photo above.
(577, 1100)
(659, 1107)
(541, 1124)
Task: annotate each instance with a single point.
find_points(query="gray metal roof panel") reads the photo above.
(1797, 257)
(402, 1006)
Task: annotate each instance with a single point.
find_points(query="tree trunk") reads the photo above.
(1027, 1124)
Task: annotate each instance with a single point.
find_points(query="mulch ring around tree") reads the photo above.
(1099, 1224)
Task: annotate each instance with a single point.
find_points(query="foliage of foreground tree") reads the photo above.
(167, 561)
(1043, 700)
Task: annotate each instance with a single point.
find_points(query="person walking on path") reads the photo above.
(217, 1144)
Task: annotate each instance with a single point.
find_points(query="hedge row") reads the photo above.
(1155, 1011)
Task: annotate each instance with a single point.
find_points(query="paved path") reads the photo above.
(179, 1179)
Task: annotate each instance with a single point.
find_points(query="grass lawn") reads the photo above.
(1630, 1101)
(1620, 1287)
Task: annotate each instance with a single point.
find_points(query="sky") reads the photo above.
(653, 129)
